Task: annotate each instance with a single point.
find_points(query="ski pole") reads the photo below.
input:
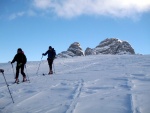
(53, 67)
(2, 71)
(13, 70)
(39, 65)
(27, 74)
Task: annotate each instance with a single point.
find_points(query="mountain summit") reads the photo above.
(73, 50)
(111, 46)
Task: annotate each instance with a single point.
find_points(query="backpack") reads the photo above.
(54, 53)
(24, 58)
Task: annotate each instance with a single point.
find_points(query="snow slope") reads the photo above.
(90, 84)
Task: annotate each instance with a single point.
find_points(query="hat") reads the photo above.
(19, 49)
(50, 47)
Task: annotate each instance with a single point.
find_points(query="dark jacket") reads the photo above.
(20, 58)
(51, 54)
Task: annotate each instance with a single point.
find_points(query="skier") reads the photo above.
(21, 60)
(51, 55)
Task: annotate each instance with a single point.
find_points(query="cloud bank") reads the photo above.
(74, 8)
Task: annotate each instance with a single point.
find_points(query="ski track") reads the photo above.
(129, 85)
(77, 93)
(133, 95)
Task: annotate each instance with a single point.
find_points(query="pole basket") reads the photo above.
(1, 71)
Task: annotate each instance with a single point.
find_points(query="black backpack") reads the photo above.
(54, 53)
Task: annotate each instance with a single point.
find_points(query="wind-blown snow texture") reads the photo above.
(90, 84)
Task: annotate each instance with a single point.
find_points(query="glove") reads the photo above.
(43, 54)
(19, 64)
(11, 62)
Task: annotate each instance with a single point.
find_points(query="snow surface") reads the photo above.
(89, 84)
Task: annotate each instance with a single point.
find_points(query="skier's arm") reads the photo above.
(44, 54)
(14, 59)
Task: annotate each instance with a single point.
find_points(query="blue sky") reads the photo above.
(33, 25)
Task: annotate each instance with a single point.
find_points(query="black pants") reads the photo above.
(22, 71)
(50, 62)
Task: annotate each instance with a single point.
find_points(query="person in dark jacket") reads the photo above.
(21, 60)
(51, 55)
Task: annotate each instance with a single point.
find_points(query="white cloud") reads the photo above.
(15, 15)
(42, 4)
(31, 13)
(73, 8)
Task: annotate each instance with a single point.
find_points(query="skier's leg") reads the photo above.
(23, 74)
(17, 74)
(51, 62)
(48, 60)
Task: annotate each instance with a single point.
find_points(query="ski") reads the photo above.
(18, 82)
(15, 83)
(46, 74)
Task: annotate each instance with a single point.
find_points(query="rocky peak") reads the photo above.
(112, 46)
(90, 51)
(76, 49)
(73, 50)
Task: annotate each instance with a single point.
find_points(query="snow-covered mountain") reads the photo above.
(89, 84)
(111, 46)
(73, 50)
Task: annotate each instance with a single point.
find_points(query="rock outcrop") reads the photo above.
(111, 46)
(73, 50)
